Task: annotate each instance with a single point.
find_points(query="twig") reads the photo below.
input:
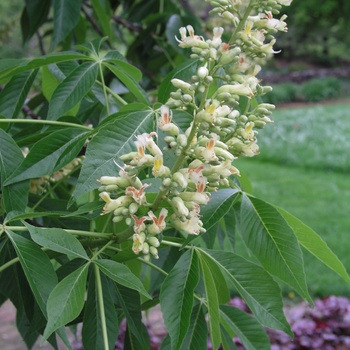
(128, 25)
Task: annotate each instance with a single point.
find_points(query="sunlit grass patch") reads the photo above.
(304, 168)
(314, 137)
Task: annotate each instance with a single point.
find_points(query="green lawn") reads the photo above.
(304, 168)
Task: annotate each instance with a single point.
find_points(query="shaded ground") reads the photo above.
(9, 336)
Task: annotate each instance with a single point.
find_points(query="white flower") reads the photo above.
(217, 33)
(159, 170)
(138, 240)
(139, 225)
(112, 204)
(164, 121)
(191, 40)
(179, 207)
(192, 226)
(197, 197)
(159, 223)
(146, 140)
(138, 195)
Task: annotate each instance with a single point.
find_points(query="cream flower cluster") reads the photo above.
(223, 98)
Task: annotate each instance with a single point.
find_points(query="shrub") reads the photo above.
(320, 89)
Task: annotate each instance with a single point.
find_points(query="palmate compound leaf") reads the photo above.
(176, 297)
(49, 154)
(184, 72)
(14, 94)
(121, 274)
(112, 140)
(92, 333)
(314, 244)
(72, 90)
(273, 242)
(132, 85)
(196, 337)
(36, 266)
(58, 240)
(66, 300)
(11, 67)
(15, 196)
(261, 293)
(65, 18)
(211, 291)
(219, 205)
(245, 327)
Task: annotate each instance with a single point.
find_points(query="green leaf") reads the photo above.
(34, 15)
(17, 215)
(45, 157)
(103, 16)
(132, 343)
(129, 82)
(120, 61)
(129, 301)
(261, 293)
(112, 140)
(92, 326)
(15, 196)
(86, 208)
(37, 268)
(176, 297)
(65, 17)
(273, 242)
(212, 300)
(122, 275)
(245, 327)
(72, 90)
(184, 72)
(223, 293)
(172, 30)
(313, 243)
(58, 240)
(14, 94)
(66, 300)
(219, 205)
(196, 337)
(182, 119)
(16, 66)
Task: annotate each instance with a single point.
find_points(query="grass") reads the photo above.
(304, 168)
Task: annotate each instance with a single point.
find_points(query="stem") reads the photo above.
(174, 244)
(50, 122)
(8, 264)
(242, 21)
(116, 96)
(155, 267)
(104, 88)
(73, 232)
(54, 186)
(101, 306)
(101, 250)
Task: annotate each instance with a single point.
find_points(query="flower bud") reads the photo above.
(145, 249)
(118, 218)
(202, 72)
(133, 208)
(182, 85)
(108, 180)
(180, 179)
(229, 56)
(179, 207)
(153, 241)
(154, 252)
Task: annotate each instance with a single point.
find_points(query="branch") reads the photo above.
(133, 27)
